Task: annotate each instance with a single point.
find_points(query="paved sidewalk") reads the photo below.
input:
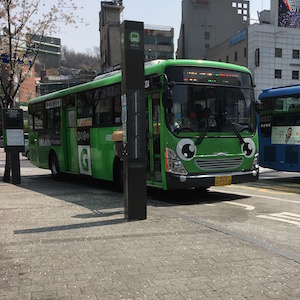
(62, 241)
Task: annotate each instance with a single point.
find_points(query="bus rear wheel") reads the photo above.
(54, 167)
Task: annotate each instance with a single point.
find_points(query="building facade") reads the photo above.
(234, 50)
(159, 42)
(207, 23)
(109, 27)
(274, 47)
(270, 48)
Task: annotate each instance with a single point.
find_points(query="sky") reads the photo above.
(151, 12)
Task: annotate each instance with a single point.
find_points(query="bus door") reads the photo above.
(153, 140)
(71, 152)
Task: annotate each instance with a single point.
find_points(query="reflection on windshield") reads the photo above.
(211, 108)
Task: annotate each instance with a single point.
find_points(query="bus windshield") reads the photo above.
(211, 108)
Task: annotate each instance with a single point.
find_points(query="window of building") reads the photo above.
(257, 57)
(245, 52)
(150, 39)
(295, 75)
(278, 74)
(206, 46)
(164, 40)
(278, 52)
(227, 59)
(165, 55)
(206, 35)
(235, 56)
(296, 54)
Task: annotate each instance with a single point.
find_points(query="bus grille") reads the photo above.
(219, 164)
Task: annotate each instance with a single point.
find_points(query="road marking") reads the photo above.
(283, 217)
(247, 207)
(253, 195)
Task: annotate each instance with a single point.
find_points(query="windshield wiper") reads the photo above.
(235, 130)
(201, 137)
(228, 122)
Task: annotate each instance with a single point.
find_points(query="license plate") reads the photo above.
(223, 180)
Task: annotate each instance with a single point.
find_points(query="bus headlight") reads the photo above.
(255, 163)
(173, 164)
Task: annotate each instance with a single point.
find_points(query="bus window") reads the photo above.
(107, 106)
(68, 101)
(71, 118)
(85, 108)
(50, 119)
(117, 110)
(103, 112)
(38, 118)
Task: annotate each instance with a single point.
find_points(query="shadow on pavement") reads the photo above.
(97, 194)
(189, 197)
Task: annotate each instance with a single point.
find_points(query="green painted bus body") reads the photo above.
(215, 149)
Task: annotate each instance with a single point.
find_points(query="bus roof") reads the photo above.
(280, 91)
(152, 67)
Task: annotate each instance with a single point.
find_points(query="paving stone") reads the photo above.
(58, 242)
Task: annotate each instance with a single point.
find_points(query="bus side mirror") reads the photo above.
(258, 106)
(168, 95)
(155, 82)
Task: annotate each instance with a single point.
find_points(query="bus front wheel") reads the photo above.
(54, 167)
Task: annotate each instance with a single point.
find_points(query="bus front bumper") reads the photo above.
(175, 181)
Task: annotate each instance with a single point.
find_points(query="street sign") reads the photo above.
(134, 120)
(13, 132)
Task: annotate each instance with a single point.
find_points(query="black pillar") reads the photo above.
(134, 120)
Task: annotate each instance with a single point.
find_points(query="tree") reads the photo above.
(24, 24)
(88, 61)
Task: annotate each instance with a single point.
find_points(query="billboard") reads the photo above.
(289, 13)
(285, 135)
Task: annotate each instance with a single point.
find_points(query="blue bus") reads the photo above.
(279, 128)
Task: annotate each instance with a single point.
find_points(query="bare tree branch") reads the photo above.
(21, 22)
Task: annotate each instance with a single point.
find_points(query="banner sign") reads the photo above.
(285, 135)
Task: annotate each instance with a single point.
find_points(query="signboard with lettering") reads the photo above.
(13, 129)
(13, 132)
(84, 158)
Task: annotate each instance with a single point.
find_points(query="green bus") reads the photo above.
(201, 126)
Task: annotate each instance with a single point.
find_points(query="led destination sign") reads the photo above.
(209, 76)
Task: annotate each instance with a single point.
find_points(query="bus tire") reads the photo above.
(54, 167)
(118, 175)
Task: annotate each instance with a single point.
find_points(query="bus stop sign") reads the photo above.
(133, 119)
(13, 130)
(13, 134)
